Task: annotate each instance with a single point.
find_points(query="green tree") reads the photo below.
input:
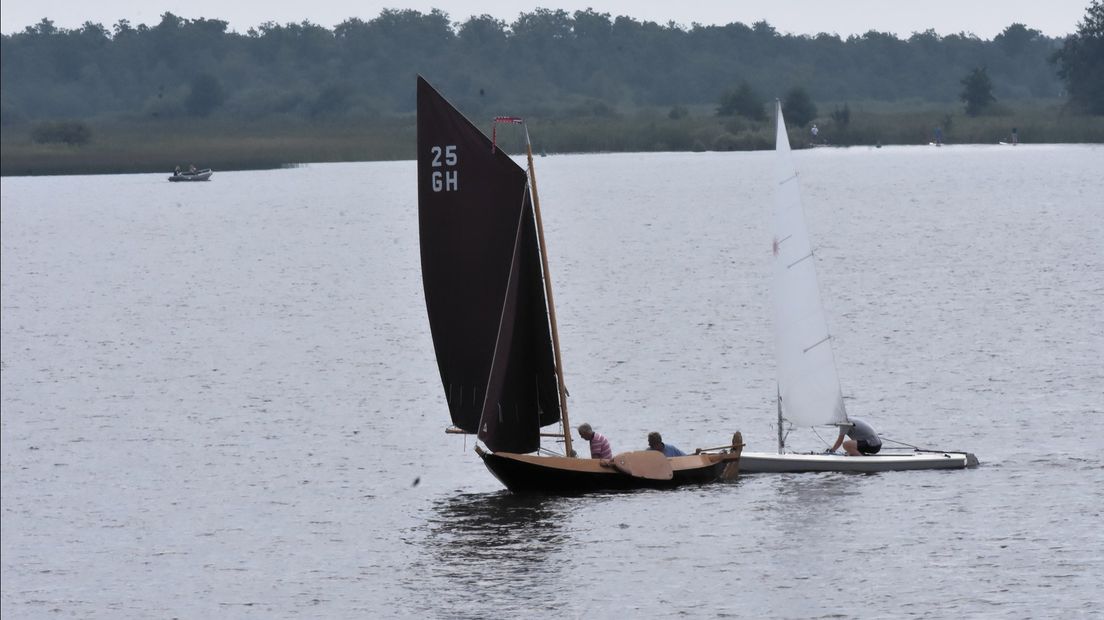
(798, 107)
(547, 62)
(1081, 61)
(1016, 39)
(977, 91)
(742, 100)
(206, 95)
(43, 28)
(332, 100)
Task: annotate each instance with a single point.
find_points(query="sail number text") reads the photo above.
(444, 180)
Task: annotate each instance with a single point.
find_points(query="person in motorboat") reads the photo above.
(191, 169)
(655, 442)
(599, 445)
(863, 438)
(176, 172)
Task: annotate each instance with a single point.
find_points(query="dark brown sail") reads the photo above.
(482, 279)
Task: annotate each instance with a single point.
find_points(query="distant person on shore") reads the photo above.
(863, 438)
(814, 131)
(1015, 137)
(599, 445)
(655, 442)
(939, 136)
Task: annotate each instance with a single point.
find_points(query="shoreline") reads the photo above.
(140, 146)
(84, 170)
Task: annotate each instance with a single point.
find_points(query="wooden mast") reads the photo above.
(548, 294)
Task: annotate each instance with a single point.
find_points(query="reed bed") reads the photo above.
(145, 146)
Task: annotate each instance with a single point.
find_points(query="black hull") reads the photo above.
(561, 476)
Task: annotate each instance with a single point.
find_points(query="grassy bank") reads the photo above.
(158, 147)
(1036, 123)
(143, 146)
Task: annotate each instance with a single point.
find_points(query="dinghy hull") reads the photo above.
(769, 462)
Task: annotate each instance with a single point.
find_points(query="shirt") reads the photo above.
(861, 431)
(669, 450)
(600, 447)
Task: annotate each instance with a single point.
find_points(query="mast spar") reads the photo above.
(781, 436)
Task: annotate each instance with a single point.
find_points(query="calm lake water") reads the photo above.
(220, 399)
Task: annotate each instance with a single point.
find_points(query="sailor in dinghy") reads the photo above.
(808, 387)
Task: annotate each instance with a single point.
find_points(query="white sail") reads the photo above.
(807, 380)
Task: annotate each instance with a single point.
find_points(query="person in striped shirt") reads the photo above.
(599, 445)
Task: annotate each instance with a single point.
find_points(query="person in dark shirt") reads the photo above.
(863, 438)
(655, 442)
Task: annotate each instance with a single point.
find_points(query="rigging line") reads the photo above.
(919, 449)
(785, 181)
(821, 438)
(505, 299)
(900, 443)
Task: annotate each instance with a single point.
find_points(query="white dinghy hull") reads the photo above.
(770, 462)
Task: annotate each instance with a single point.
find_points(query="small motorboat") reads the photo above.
(192, 175)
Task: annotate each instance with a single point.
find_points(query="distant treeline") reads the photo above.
(585, 63)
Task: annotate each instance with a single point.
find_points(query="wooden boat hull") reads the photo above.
(770, 462)
(526, 473)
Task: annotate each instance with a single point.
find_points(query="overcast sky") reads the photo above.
(984, 18)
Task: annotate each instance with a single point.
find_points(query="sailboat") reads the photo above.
(809, 393)
(492, 316)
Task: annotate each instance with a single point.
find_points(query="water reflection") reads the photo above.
(809, 500)
(527, 527)
(499, 545)
(811, 489)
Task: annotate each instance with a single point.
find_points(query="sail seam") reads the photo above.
(817, 344)
(806, 257)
